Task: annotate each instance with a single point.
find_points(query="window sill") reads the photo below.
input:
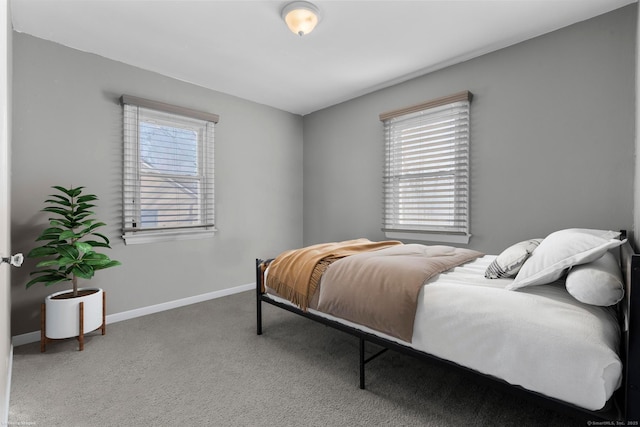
(430, 237)
(142, 237)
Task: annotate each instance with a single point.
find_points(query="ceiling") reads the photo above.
(243, 48)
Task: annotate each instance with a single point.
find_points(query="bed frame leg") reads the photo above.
(258, 299)
(362, 362)
(259, 318)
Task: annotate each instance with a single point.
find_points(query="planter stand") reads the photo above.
(43, 333)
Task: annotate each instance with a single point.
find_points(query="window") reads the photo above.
(426, 171)
(168, 189)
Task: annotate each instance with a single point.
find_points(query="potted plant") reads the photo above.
(69, 253)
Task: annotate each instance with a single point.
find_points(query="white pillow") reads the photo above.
(561, 250)
(598, 282)
(509, 262)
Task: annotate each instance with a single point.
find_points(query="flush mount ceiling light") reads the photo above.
(301, 17)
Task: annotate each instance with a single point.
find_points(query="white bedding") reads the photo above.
(539, 338)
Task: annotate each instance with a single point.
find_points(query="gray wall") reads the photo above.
(68, 131)
(552, 139)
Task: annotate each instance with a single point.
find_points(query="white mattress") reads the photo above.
(539, 338)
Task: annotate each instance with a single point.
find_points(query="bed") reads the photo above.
(548, 318)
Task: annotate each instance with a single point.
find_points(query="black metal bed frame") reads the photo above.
(623, 407)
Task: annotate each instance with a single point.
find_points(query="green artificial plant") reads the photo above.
(71, 239)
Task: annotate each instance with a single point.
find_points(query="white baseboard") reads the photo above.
(27, 338)
(34, 336)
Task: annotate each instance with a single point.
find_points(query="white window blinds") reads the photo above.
(168, 169)
(426, 171)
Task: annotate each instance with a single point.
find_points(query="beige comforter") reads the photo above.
(380, 289)
(294, 274)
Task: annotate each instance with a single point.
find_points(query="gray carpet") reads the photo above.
(204, 365)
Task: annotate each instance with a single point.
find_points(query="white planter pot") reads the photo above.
(62, 318)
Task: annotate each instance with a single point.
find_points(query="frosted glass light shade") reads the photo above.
(301, 17)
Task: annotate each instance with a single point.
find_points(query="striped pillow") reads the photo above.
(508, 263)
